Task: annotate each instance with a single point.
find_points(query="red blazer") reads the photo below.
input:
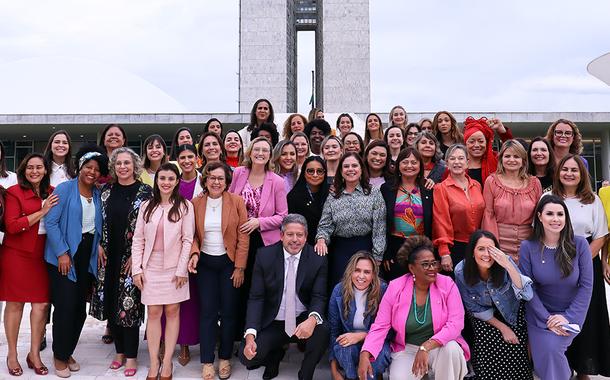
(19, 203)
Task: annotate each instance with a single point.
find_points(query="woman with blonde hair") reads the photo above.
(511, 195)
(352, 309)
(398, 117)
(285, 161)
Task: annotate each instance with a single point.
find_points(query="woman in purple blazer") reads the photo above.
(265, 196)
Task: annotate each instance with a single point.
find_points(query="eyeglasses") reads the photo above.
(427, 265)
(216, 179)
(559, 133)
(312, 171)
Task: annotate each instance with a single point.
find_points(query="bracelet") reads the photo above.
(193, 254)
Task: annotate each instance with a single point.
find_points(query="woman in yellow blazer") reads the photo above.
(218, 255)
(160, 252)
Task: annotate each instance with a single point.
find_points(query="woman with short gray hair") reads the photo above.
(115, 296)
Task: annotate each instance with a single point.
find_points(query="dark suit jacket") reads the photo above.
(389, 196)
(268, 284)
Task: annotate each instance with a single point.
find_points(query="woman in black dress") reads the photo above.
(308, 195)
(115, 296)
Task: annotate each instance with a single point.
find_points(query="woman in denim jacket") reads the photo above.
(352, 309)
(492, 288)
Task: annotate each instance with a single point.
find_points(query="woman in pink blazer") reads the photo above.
(160, 252)
(264, 193)
(425, 311)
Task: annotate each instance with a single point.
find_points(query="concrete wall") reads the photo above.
(267, 54)
(343, 43)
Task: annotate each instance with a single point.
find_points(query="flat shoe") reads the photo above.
(224, 369)
(63, 373)
(208, 372)
(73, 365)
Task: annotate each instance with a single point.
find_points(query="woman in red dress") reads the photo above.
(23, 271)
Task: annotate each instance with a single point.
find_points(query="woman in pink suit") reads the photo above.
(425, 311)
(161, 247)
(264, 193)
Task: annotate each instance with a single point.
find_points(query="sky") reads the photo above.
(71, 56)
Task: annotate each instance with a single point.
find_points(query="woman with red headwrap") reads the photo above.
(478, 136)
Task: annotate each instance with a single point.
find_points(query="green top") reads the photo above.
(417, 333)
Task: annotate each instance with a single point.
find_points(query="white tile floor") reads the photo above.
(94, 357)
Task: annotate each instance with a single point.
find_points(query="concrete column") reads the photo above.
(343, 54)
(605, 153)
(267, 54)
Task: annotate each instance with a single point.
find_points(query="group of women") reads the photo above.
(494, 257)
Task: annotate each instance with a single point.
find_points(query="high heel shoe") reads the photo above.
(17, 371)
(42, 370)
(171, 375)
(156, 377)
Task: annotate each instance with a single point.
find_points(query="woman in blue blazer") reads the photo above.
(352, 309)
(74, 229)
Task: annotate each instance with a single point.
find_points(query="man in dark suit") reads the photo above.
(287, 302)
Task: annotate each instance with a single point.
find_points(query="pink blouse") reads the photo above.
(509, 212)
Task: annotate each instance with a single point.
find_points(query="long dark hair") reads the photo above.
(471, 270)
(179, 204)
(584, 192)
(3, 170)
(45, 183)
(173, 152)
(253, 122)
(221, 144)
(150, 140)
(206, 127)
(48, 153)
(550, 167)
(339, 182)
(101, 142)
(302, 182)
(405, 153)
(566, 249)
(385, 171)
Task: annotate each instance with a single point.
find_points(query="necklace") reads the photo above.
(542, 252)
(214, 203)
(415, 307)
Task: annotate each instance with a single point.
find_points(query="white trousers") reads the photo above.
(444, 363)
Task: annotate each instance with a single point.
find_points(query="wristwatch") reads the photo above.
(422, 348)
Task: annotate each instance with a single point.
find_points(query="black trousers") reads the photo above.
(69, 301)
(270, 342)
(126, 340)
(217, 298)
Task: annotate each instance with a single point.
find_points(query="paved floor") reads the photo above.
(95, 357)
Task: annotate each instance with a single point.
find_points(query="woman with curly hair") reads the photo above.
(424, 310)
(565, 138)
(295, 123)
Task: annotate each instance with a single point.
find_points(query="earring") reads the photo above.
(413, 277)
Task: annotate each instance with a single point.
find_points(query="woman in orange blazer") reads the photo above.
(159, 254)
(218, 255)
